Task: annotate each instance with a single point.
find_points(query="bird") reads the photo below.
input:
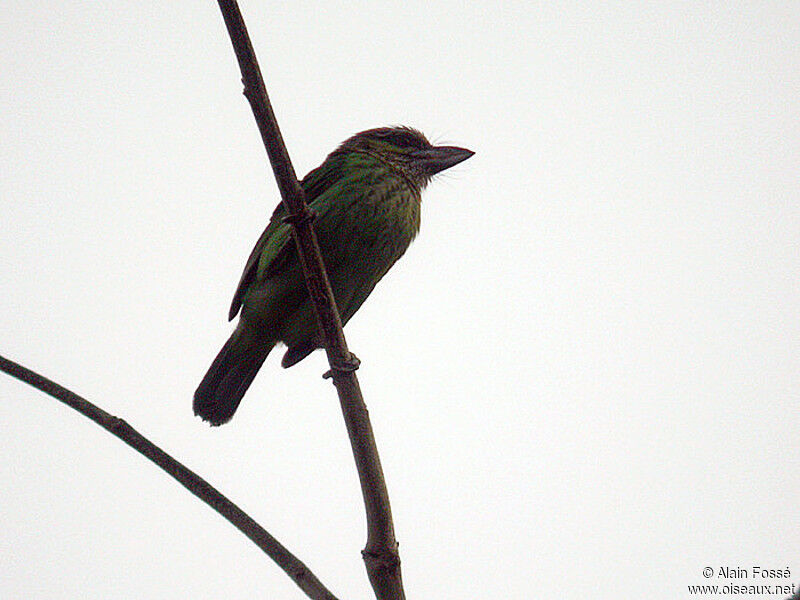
(365, 198)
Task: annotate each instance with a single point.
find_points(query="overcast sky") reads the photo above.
(583, 377)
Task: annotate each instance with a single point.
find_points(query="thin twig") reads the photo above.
(380, 554)
(287, 561)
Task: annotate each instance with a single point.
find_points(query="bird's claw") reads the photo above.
(344, 366)
(304, 216)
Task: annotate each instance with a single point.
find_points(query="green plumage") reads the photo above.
(366, 197)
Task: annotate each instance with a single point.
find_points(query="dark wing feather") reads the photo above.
(251, 267)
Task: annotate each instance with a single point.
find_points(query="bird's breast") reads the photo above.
(375, 225)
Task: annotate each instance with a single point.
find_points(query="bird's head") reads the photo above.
(407, 151)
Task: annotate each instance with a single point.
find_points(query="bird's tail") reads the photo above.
(219, 394)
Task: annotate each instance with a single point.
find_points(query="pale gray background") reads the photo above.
(583, 376)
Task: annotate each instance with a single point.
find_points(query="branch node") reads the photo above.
(382, 559)
(115, 424)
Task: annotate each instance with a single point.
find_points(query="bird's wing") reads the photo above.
(273, 249)
(270, 251)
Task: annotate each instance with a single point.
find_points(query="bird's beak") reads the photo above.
(439, 158)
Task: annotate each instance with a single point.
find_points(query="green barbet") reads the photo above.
(366, 199)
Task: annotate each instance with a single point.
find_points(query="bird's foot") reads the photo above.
(304, 216)
(344, 366)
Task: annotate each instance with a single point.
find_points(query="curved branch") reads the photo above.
(287, 561)
(380, 554)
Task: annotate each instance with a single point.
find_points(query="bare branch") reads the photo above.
(198, 486)
(380, 554)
